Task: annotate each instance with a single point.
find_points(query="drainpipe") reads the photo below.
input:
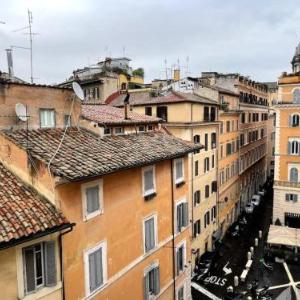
(192, 177)
(61, 259)
(173, 228)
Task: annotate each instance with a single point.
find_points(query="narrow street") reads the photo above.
(231, 259)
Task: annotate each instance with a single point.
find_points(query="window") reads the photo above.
(206, 114)
(213, 140)
(214, 186)
(150, 236)
(197, 139)
(206, 219)
(119, 130)
(291, 197)
(142, 128)
(148, 111)
(197, 228)
(243, 119)
(293, 147)
(213, 161)
(149, 187)
(207, 191)
(214, 212)
(92, 198)
(162, 112)
(180, 258)
(196, 168)
(228, 126)
(182, 215)
(150, 128)
(180, 293)
(296, 96)
(262, 133)
(107, 131)
(221, 151)
(221, 127)
(213, 114)
(123, 86)
(151, 283)
(197, 197)
(294, 120)
(67, 120)
(179, 170)
(39, 265)
(96, 93)
(206, 141)
(47, 118)
(228, 149)
(95, 267)
(294, 175)
(206, 164)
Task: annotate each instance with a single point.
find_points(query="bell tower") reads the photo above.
(296, 60)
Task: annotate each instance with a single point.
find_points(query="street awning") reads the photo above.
(282, 235)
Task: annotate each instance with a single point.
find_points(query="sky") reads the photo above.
(255, 38)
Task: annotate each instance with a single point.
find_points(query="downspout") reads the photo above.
(217, 170)
(61, 259)
(173, 228)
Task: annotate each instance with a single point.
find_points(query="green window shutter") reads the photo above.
(289, 147)
(156, 281)
(179, 224)
(29, 269)
(146, 287)
(50, 264)
(185, 214)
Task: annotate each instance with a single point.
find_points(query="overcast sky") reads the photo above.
(254, 37)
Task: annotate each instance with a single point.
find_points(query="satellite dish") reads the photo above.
(21, 112)
(78, 90)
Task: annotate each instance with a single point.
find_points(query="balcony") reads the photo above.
(287, 184)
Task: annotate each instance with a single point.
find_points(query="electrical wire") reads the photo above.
(60, 144)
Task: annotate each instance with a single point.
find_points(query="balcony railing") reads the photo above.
(287, 184)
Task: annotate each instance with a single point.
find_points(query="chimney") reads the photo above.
(126, 105)
(10, 63)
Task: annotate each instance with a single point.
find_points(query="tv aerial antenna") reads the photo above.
(31, 34)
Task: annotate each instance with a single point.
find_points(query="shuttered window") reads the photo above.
(196, 168)
(197, 228)
(197, 198)
(47, 118)
(151, 283)
(291, 197)
(149, 180)
(92, 199)
(95, 270)
(179, 170)
(182, 215)
(149, 234)
(39, 266)
(180, 259)
(294, 175)
(206, 191)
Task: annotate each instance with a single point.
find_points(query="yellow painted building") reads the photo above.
(191, 118)
(286, 209)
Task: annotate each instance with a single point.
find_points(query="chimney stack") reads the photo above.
(10, 63)
(126, 105)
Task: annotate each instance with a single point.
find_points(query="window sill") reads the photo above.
(150, 196)
(93, 215)
(180, 183)
(42, 292)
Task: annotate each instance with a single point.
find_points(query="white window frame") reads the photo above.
(84, 186)
(110, 131)
(183, 286)
(149, 192)
(184, 200)
(180, 244)
(47, 110)
(152, 216)
(87, 252)
(181, 179)
(119, 133)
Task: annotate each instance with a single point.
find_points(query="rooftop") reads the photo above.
(144, 98)
(84, 154)
(24, 213)
(109, 115)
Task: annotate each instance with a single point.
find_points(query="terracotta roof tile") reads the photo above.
(144, 98)
(85, 154)
(109, 115)
(22, 211)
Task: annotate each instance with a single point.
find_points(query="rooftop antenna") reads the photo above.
(10, 63)
(31, 34)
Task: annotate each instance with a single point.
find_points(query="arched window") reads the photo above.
(294, 175)
(296, 96)
(197, 139)
(294, 120)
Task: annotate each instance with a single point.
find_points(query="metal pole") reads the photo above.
(30, 38)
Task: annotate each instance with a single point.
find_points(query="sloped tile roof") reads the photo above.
(85, 154)
(145, 98)
(109, 115)
(22, 211)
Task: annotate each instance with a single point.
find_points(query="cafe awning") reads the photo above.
(282, 235)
